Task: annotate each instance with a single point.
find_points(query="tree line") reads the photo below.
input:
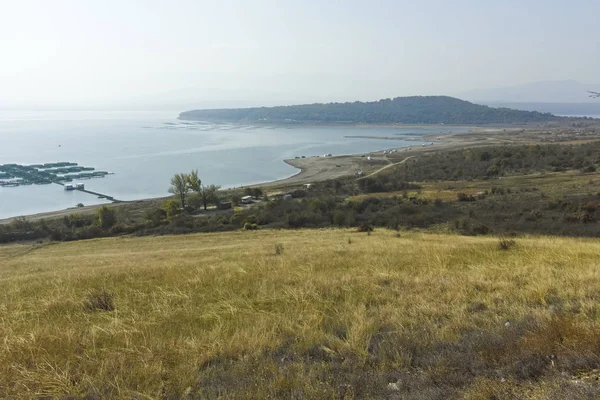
(193, 194)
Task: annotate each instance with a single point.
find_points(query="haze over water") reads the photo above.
(145, 149)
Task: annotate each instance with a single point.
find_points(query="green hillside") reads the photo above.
(407, 110)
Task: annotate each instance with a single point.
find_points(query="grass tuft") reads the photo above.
(99, 300)
(278, 249)
(506, 244)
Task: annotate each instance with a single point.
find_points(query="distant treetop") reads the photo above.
(406, 110)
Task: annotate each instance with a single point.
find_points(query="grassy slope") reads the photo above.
(555, 185)
(336, 314)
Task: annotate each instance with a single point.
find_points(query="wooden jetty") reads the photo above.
(99, 195)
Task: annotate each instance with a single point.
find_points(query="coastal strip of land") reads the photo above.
(320, 168)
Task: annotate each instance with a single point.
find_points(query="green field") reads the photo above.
(301, 314)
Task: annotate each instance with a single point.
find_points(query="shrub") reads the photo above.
(99, 300)
(235, 199)
(506, 244)
(254, 192)
(106, 217)
(476, 306)
(589, 169)
(278, 249)
(171, 207)
(364, 228)
(156, 214)
(464, 197)
(481, 229)
(250, 226)
(75, 220)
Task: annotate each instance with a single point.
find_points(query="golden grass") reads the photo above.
(199, 311)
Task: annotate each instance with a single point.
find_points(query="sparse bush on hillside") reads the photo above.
(156, 215)
(172, 208)
(106, 217)
(497, 161)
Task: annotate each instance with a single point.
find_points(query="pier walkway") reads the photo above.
(99, 195)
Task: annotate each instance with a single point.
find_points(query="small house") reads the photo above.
(247, 200)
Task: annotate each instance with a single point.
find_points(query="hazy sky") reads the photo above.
(92, 53)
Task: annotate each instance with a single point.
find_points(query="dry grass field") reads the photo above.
(301, 314)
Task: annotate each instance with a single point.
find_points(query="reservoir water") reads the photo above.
(145, 149)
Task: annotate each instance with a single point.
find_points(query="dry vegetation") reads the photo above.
(338, 314)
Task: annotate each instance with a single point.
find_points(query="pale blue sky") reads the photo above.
(93, 53)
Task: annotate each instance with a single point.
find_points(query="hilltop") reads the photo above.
(407, 110)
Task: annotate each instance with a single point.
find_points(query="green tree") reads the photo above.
(206, 194)
(194, 182)
(257, 192)
(235, 199)
(254, 192)
(180, 187)
(107, 217)
(209, 195)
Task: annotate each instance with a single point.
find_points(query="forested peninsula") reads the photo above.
(402, 110)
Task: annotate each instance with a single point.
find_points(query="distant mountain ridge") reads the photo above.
(408, 110)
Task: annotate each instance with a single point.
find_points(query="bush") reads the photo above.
(254, 192)
(75, 220)
(506, 244)
(589, 169)
(481, 229)
(100, 300)
(250, 226)
(107, 217)
(278, 249)
(365, 228)
(171, 207)
(235, 199)
(464, 197)
(156, 215)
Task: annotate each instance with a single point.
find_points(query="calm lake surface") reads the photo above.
(145, 149)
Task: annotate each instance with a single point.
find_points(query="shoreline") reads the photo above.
(318, 168)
